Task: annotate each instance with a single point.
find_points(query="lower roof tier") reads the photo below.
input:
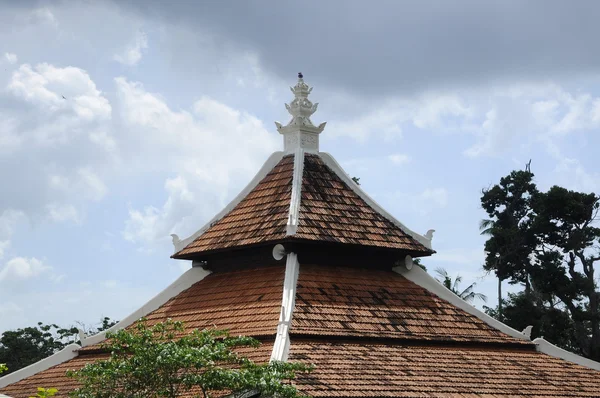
(376, 370)
(366, 303)
(392, 370)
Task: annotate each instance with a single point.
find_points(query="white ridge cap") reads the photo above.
(281, 347)
(426, 281)
(548, 348)
(337, 169)
(69, 352)
(271, 162)
(296, 197)
(185, 281)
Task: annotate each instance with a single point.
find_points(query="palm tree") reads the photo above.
(467, 294)
(486, 226)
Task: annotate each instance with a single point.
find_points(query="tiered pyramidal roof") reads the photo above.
(302, 195)
(308, 263)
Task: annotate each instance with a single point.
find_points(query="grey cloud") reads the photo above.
(393, 46)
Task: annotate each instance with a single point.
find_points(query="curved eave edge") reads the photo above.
(548, 348)
(335, 166)
(69, 352)
(426, 281)
(262, 173)
(185, 281)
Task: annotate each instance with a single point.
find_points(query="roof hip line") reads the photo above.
(292, 224)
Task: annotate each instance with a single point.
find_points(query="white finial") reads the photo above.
(300, 132)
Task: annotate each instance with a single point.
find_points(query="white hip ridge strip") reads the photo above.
(69, 352)
(294, 213)
(337, 169)
(426, 281)
(184, 282)
(548, 348)
(281, 347)
(180, 244)
(423, 279)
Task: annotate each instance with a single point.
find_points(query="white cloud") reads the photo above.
(207, 148)
(55, 89)
(399, 158)
(21, 268)
(63, 212)
(131, 55)
(11, 58)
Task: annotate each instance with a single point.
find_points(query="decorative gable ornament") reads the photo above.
(300, 132)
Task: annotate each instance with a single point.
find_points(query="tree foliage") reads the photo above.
(22, 347)
(162, 361)
(468, 294)
(548, 243)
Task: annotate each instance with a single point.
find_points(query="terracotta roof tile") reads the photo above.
(246, 302)
(339, 301)
(260, 217)
(55, 377)
(331, 211)
(370, 370)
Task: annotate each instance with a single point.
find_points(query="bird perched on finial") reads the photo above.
(300, 76)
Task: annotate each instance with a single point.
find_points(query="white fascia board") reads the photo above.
(185, 281)
(264, 170)
(548, 348)
(426, 281)
(281, 347)
(294, 212)
(69, 352)
(337, 169)
(182, 283)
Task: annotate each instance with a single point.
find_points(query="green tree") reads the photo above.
(3, 368)
(45, 392)
(548, 243)
(162, 361)
(468, 294)
(22, 347)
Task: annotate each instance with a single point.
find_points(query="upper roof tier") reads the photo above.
(302, 194)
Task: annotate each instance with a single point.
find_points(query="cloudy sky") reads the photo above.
(124, 122)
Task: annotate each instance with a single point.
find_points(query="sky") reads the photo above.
(123, 122)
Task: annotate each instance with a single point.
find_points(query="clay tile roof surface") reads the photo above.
(56, 377)
(260, 217)
(245, 302)
(339, 301)
(371, 370)
(330, 211)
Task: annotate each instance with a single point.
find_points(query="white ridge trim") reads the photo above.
(292, 224)
(69, 352)
(281, 347)
(546, 347)
(337, 169)
(271, 162)
(423, 279)
(185, 281)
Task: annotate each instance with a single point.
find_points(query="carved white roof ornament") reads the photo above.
(300, 132)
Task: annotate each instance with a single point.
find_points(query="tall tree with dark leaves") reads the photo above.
(548, 243)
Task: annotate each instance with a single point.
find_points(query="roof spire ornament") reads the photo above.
(300, 132)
